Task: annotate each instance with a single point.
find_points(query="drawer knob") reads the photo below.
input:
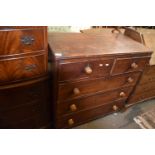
(88, 70)
(130, 80)
(70, 122)
(107, 65)
(134, 65)
(122, 94)
(76, 91)
(115, 108)
(73, 107)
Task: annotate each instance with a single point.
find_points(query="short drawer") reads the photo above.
(22, 68)
(17, 41)
(71, 90)
(87, 115)
(92, 101)
(123, 65)
(85, 69)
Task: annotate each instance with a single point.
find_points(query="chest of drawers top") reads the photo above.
(78, 45)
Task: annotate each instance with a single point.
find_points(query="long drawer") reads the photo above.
(71, 90)
(17, 41)
(23, 93)
(87, 115)
(93, 101)
(14, 118)
(22, 68)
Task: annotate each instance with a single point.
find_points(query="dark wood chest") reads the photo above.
(24, 80)
(94, 75)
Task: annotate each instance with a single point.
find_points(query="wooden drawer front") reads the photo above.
(92, 101)
(22, 41)
(140, 88)
(87, 115)
(71, 90)
(85, 69)
(148, 75)
(130, 64)
(19, 114)
(139, 97)
(22, 68)
(20, 95)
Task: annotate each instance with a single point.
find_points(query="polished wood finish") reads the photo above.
(85, 69)
(26, 102)
(130, 64)
(96, 85)
(22, 68)
(24, 81)
(75, 119)
(92, 101)
(93, 74)
(11, 41)
(145, 89)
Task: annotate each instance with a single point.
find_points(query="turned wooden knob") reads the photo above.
(130, 80)
(70, 122)
(122, 94)
(134, 65)
(76, 91)
(115, 108)
(73, 107)
(88, 70)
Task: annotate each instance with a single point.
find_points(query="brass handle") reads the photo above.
(27, 40)
(88, 70)
(73, 107)
(134, 65)
(130, 80)
(122, 94)
(76, 91)
(70, 122)
(30, 67)
(115, 108)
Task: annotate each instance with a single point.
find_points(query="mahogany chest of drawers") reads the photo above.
(24, 79)
(94, 75)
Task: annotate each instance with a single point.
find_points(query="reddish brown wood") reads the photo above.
(22, 103)
(98, 85)
(146, 88)
(12, 41)
(87, 115)
(92, 101)
(22, 68)
(75, 45)
(125, 65)
(24, 83)
(76, 70)
(83, 90)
